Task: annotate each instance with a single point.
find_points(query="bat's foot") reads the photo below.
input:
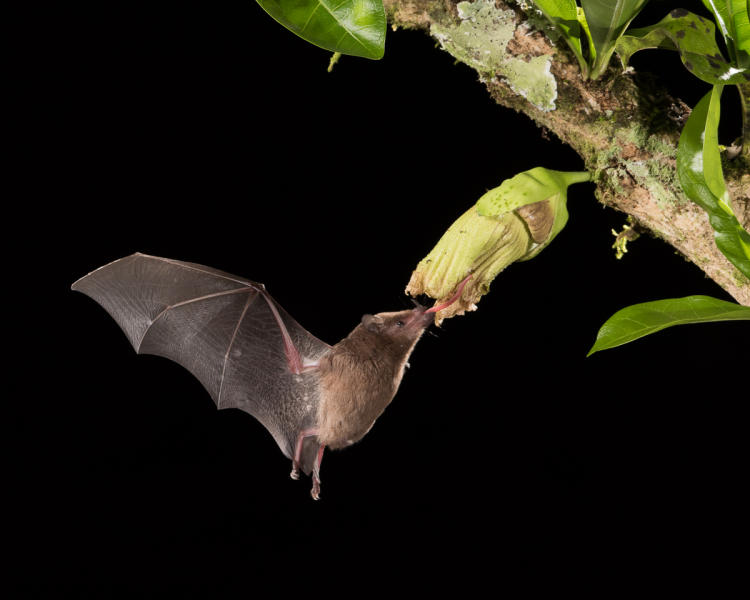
(297, 458)
(315, 491)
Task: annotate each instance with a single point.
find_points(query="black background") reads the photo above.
(208, 133)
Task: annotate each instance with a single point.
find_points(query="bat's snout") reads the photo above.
(421, 317)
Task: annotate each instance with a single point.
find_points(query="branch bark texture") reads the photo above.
(624, 126)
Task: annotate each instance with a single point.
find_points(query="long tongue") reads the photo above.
(453, 298)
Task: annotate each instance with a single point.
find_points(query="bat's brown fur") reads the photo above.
(361, 374)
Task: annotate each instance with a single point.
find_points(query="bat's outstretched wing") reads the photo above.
(227, 331)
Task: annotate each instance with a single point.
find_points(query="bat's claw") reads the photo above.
(315, 491)
(295, 472)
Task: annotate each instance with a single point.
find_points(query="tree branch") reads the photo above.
(624, 126)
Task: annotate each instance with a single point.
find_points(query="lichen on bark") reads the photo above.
(626, 134)
(480, 40)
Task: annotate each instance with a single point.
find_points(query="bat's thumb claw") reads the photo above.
(294, 474)
(315, 491)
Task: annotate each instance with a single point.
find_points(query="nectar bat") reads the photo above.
(250, 354)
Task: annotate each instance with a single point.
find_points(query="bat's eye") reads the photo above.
(399, 323)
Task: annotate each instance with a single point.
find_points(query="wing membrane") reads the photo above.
(221, 328)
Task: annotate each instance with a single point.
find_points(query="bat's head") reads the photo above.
(401, 329)
(400, 326)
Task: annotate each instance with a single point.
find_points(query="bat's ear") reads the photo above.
(373, 322)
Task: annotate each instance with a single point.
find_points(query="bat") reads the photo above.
(249, 353)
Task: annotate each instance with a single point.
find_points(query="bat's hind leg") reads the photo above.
(305, 433)
(315, 492)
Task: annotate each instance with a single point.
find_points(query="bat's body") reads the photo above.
(250, 354)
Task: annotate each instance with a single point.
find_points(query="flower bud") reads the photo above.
(510, 223)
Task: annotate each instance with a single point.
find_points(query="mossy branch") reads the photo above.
(625, 131)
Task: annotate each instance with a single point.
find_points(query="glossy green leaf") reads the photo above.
(734, 24)
(562, 14)
(585, 27)
(724, 23)
(713, 174)
(741, 18)
(607, 21)
(693, 37)
(702, 180)
(723, 18)
(355, 27)
(639, 320)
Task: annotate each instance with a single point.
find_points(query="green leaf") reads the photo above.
(355, 27)
(585, 26)
(607, 21)
(723, 19)
(639, 320)
(712, 171)
(741, 18)
(700, 174)
(562, 14)
(733, 21)
(695, 39)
